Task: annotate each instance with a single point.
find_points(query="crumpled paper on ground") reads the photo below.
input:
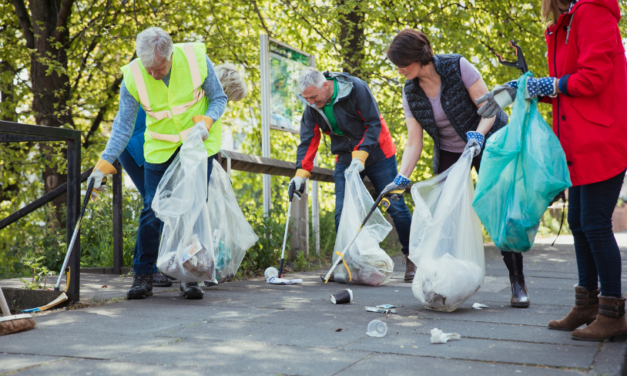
(438, 336)
(274, 280)
(479, 306)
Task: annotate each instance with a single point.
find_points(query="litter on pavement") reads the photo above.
(380, 310)
(342, 297)
(377, 328)
(479, 306)
(283, 281)
(437, 336)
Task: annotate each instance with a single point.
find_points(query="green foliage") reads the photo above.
(301, 263)
(267, 251)
(39, 272)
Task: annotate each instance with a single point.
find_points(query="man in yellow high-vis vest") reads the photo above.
(178, 89)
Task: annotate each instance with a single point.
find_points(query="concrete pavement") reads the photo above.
(249, 327)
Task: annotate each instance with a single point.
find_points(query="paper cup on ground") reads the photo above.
(271, 272)
(342, 297)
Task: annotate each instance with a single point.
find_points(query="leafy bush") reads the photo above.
(267, 251)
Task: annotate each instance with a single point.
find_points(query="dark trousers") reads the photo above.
(513, 260)
(135, 171)
(149, 232)
(380, 174)
(590, 209)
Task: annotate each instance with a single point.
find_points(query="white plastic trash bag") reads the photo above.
(232, 234)
(186, 251)
(367, 262)
(446, 242)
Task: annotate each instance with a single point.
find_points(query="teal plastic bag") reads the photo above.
(523, 168)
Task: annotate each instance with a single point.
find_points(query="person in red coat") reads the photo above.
(587, 88)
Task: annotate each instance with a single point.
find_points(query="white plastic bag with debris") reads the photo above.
(367, 263)
(446, 242)
(232, 234)
(186, 251)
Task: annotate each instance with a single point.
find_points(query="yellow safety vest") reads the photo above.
(170, 109)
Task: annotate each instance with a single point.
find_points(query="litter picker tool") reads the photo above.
(90, 186)
(290, 193)
(520, 62)
(384, 202)
(13, 324)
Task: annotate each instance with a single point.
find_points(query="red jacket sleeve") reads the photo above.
(596, 46)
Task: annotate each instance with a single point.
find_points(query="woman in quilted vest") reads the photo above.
(438, 97)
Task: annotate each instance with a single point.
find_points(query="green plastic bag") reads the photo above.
(523, 168)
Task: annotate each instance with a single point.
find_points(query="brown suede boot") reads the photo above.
(584, 312)
(609, 325)
(410, 269)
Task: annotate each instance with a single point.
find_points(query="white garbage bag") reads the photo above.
(232, 234)
(367, 262)
(186, 251)
(446, 243)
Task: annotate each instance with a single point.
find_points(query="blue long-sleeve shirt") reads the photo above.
(124, 121)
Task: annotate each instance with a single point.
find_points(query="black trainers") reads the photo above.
(159, 280)
(191, 290)
(141, 288)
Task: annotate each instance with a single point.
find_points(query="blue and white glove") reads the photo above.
(475, 142)
(400, 183)
(504, 95)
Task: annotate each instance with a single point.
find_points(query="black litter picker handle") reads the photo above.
(520, 62)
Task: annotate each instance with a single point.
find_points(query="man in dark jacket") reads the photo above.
(343, 107)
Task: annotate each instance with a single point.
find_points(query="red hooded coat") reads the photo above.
(586, 53)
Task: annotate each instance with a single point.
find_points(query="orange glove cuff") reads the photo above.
(208, 121)
(105, 167)
(361, 155)
(303, 173)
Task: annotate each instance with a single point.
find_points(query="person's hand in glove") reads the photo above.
(358, 163)
(298, 181)
(399, 184)
(475, 142)
(203, 123)
(504, 95)
(99, 174)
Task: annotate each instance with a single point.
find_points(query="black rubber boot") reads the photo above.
(520, 296)
(141, 288)
(191, 290)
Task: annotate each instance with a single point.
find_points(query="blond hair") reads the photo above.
(232, 83)
(551, 10)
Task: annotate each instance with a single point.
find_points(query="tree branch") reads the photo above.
(62, 19)
(263, 23)
(25, 23)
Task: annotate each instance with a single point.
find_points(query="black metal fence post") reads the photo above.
(73, 207)
(118, 244)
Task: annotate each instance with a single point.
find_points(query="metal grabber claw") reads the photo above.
(520, 62)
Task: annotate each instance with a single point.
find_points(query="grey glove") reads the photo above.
(496, 100)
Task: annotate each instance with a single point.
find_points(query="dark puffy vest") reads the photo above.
(456, 102)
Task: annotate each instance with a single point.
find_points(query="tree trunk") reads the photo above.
(352, 39)
(46, 31)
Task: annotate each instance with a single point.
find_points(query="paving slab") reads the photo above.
(251, 356)
(88, 367)
(388, 364)
(481, 350)
(13, 362)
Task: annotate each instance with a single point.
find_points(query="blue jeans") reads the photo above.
(590, 209)
(149, 232)
(380, 174)
(135, 171)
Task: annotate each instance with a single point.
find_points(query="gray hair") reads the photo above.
(153, 44)
(233, 84)
(310, 77)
